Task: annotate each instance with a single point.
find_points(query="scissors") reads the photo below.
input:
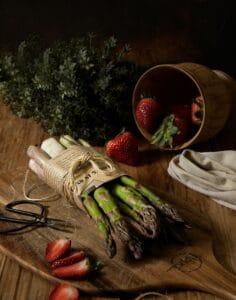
(30, 218)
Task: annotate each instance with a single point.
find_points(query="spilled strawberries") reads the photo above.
(170, 126)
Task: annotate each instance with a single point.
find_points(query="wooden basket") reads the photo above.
(180, 83)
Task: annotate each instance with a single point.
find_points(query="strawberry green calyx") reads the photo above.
(102, 223)
(165, 134)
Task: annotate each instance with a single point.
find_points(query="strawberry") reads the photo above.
(57, 249)
(64, 291)
(78, 270)
(172, 131)
(183, 127)
(147, 113)
(123, 148)
(197, 110)
(182, 110)
(68, 260)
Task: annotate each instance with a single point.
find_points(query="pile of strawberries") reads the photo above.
(66, 265)
(169, 126)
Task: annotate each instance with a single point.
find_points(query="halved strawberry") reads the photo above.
(183, 128)
(68, 260)
(64, 291)
(78, 270)
(56, 249)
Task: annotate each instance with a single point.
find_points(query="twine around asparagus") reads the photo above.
(63, 172)
(69, 187)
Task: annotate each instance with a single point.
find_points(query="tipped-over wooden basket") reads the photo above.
(176, 84)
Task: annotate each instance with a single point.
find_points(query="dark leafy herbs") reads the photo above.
(78, 87)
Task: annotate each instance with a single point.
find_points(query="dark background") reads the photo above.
(180, 30)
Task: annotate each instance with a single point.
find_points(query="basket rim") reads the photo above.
(176, 67)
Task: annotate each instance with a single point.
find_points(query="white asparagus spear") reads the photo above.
(36, 168)
(38, 155)
(52, 147)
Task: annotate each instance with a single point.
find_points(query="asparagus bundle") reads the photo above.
(122, 207)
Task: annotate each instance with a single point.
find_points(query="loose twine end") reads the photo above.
(29, 190)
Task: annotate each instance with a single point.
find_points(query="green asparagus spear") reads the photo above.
(67, 140)
(147, 212)
(108, 205)
(134, 220)
(127, 210)
(160, 204)
(173, 231)
(102, 223)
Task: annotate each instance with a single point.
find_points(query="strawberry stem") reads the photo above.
(96, 266)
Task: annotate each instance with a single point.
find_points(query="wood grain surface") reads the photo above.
(162, 267)
(217, 221)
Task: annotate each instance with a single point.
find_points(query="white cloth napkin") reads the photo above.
(210, 173)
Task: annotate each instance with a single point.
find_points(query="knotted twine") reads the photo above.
(79, 170)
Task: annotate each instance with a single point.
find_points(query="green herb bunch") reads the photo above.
(77, 87)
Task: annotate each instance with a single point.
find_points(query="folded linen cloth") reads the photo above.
(210, 173)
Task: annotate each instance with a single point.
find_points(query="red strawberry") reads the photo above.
(147, 113)
(78, 270)
(68, 260)
(183, 127)
(57, 249)
(182, 110)
(64, 291)
(172, 131)
(123, 148)
(197, 110)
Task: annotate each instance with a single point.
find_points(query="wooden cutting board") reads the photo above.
(163, 267)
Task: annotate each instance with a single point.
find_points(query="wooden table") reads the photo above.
(17, 134)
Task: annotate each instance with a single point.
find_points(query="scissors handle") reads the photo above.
(16, 220)
(12, 207)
